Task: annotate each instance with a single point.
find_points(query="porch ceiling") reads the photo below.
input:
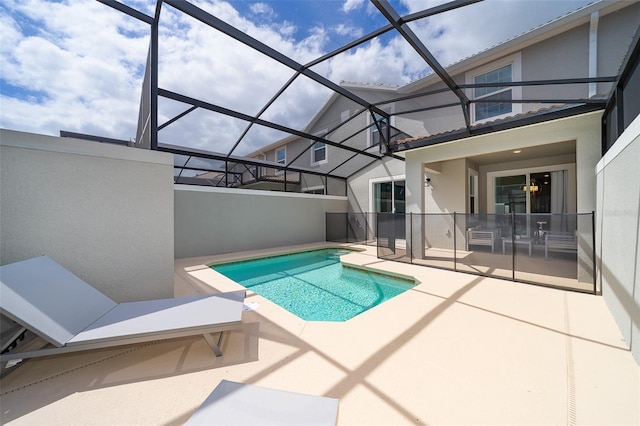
(526, 153)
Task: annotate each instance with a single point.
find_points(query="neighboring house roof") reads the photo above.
(365, 85)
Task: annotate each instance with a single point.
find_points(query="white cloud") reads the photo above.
(203, 63)
(350, 5)
(262, 9)
(79, 65)
(348, 30)
(82, 78)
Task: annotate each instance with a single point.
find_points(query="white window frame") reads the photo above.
(473, 191)
(314, 149)
(390, 109)
(372, 185)
(262, 170)
(515, 61)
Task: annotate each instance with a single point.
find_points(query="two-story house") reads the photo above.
(529, 143)
(427, 121)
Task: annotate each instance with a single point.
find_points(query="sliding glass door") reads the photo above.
(389, 197)
(533, 192)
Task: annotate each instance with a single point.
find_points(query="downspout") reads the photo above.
(593, 52)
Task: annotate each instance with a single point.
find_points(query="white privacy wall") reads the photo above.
(103, 211)
(618, 233)
(220, 220)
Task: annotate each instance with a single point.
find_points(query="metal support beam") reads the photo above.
(264, 108)
(564, 81)
(245, 39)
(177, 117)
(235, 114)
(392, 16)
(179, 150)
(128, 11)
(154, 54)
(380, 31)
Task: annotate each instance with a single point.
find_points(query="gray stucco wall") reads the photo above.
(104, 212)
(220, 220)
(359, 185)
(618, 234)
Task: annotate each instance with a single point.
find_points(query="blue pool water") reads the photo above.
(314, 285)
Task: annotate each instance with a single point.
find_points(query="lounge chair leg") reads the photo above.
(215, 346)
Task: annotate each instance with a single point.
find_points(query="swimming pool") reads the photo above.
(315, 285)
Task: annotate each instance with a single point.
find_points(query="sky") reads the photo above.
(77, 65)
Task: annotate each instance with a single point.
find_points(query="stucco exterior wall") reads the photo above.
(615, 34)
(224, 220)
(618, 233)
(359, 186)
(104, 212)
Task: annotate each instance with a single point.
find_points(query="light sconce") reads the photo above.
(533, 187)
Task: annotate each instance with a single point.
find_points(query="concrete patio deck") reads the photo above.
(456, 349)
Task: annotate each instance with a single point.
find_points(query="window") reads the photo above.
(473, 192)
(374, 134)
(484, 111)
(319, 153)
(281, 156)
(540, 190)
(388, 196)
(502, 71)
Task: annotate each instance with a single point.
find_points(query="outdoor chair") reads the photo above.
(233, 403)
(482, 237)
(70, 315)
(565, 242)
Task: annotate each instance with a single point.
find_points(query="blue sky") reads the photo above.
(77, 64)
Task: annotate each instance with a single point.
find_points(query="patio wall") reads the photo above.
(103, 211)
(618, 233)
(223, 220)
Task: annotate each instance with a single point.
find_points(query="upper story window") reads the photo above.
(319, 153)
(281, 156)
(504, 70)
(374, 132)
(488, 110)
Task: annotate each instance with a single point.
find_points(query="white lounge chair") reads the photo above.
(69, 314)
(233, 404)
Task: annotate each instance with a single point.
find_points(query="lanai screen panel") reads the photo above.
(400, 68)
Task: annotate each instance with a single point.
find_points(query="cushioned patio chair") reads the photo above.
(70, 315)
(233, 404)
